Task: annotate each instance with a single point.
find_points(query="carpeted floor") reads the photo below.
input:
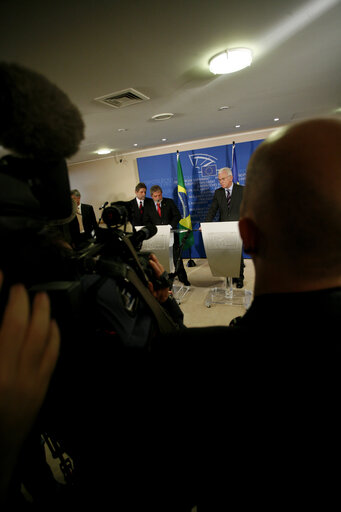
(193, 304)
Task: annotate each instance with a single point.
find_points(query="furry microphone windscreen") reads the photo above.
(37, 119)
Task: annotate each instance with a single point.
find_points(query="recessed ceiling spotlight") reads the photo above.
(230, 61)
(163, 140)
(135, 145)
(162, 117)
(122, 129)
(103, 151)
(224, 107)
(237, 126)
(276, 118)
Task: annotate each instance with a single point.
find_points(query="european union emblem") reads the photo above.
(209, 170)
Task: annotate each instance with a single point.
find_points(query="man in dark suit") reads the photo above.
(163, 211)
(86, 220)
(137, 205)
(227, 200)
(277, 363)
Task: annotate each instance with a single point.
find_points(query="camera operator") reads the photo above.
(107, 325)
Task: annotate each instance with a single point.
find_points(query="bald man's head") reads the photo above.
(293, 196)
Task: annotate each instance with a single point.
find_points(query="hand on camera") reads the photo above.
(29, 347)
(161, 294)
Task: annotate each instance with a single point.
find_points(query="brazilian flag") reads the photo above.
(185, 221)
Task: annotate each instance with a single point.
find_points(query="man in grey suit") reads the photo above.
(84, 227)
(227, 200)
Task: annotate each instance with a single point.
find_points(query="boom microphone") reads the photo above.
(39, 123)
(37, 119)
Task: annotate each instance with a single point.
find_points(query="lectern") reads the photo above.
(161, 244)
(223, 247)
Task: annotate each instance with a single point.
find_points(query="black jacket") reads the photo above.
(134, 212)
(219, 203)
(89, 223)
(170, 213)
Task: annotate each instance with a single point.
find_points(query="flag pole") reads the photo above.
(234, 169)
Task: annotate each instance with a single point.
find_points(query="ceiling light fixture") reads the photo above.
(163, 117)
(104, 151)
(230, 61)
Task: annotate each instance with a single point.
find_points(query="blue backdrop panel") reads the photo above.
(200, 171)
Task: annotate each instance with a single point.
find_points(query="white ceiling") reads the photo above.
(162, 49)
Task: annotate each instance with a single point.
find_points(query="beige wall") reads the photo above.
(114, 178)
(104, 180)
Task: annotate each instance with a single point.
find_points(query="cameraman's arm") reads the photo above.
(29, 347)
(163, 295)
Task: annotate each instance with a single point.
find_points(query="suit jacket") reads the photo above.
(134, 212)
(219, 203)
(89, 219)
(89, 223)
(170, 213)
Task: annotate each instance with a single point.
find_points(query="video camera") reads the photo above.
(116, 245)
(41, 128)
(99, 295)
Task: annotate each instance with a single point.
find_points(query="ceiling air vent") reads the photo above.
(123, 98)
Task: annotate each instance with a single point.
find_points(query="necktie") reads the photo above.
(228, 198)
(158, 208)
(141, 208)
(80, 221)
